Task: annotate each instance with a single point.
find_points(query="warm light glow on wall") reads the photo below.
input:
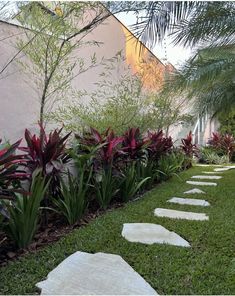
(143, 62)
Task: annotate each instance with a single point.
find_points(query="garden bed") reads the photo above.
(205, 268)
(56, 228)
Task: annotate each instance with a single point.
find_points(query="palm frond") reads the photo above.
(159, 17)
(212, 22)
(208, 78)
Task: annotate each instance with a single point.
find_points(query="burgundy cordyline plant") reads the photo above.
(11, 173)
(133, 144)
(108, 150)
(158, 144)
(188, 147)
(46, 152)
(223, 143)
(215, 140)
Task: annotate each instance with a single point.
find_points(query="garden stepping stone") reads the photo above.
(167, 213)
(206, 177)
(221, 169)
(94, 274)
(210, 173)
(230, 166)
(208, 165)
(201, 183)
(148, 233)
(194, 191)
(189, 201)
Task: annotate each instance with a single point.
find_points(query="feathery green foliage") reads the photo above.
(227, 122)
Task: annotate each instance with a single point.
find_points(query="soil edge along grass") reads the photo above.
(208, 267)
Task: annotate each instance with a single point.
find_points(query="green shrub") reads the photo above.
(74, 199)
(130, 184)
(74, 193)
(106, 186)
(169, 165)
(211, 156)
(182, 159)
(24, 212)
(227, 122)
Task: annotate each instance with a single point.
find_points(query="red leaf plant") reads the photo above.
(228, 144)
(158, 144)
(47, 152)
(108, 150)
(188, 147)
(223, 143)
(133, 144)
(10, 173)
(215, 140)
(9, 165)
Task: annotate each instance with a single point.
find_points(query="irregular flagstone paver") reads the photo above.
(211, 173)
(159, 212)
(230, 166)
(221, 169)
(194, 191)
(208, 165)
(94, 274)
(206, 177)
(201, 183)
(189, 201)
(148, 233)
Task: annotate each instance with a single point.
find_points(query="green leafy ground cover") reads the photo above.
(208, 267)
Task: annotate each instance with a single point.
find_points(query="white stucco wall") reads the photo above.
(19, 97)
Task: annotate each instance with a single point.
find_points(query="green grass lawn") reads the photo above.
(208, 267)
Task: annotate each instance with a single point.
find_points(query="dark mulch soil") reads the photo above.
(57, 227)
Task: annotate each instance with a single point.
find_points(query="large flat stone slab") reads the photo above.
(167, 213)
(221, 169)
(189, 201)
(201, 183)
(94, 274)
(206, 177)
(194, 191)
(208, 165)
(210, 173)
(230, 166)
(148, 233)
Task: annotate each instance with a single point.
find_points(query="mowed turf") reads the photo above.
(208, 267)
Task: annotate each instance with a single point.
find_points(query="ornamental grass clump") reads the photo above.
(24, 211)
(130, 184)
(73, 200)
(106, 155)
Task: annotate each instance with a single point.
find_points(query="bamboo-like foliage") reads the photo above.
(53, 31)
